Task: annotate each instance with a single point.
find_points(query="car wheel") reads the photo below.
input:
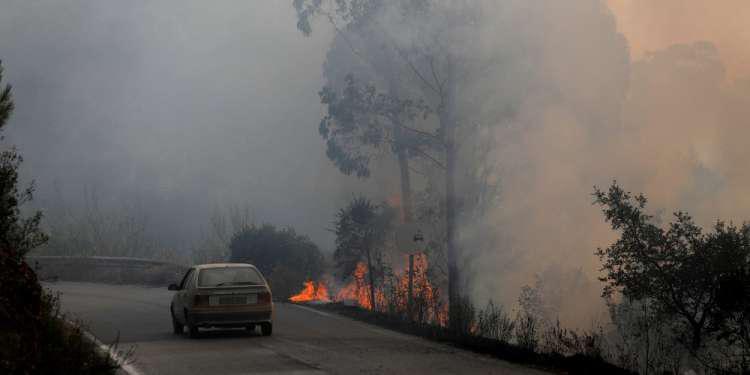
(193, 331)
(176, 326)
(192, 328)
(266, 329)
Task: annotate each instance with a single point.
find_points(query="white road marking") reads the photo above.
(423, 341)
(297, 372)
(363, 325)
(126, 367)
(315, 311)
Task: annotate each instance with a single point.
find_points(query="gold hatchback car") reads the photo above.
(222, 295)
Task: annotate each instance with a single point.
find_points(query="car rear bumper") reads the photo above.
(231, 318)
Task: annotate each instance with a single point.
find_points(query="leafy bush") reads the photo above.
(34, 336)
(286, 258)
(695, 282)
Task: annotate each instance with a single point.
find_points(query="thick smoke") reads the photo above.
(655, 25)
(566, 97)
(171, 110)
(670, 124)
(175, 108)
(563, 89)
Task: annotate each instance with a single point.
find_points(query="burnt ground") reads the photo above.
(576, 364)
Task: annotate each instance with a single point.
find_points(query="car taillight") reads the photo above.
(264, 297)
(201, 300)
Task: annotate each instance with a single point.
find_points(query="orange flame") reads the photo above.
(358, 289)
(312, 292)
(426, 298)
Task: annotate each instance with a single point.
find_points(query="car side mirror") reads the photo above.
(173, 287)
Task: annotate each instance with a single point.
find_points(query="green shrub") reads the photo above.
(35, 338)
(285, 258)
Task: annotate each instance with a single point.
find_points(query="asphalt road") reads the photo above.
(305, 341)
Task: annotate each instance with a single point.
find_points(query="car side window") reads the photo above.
(185, 279)
(190, 281)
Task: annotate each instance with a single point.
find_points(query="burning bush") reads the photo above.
(312, 292)
(362, 232)
(391, 297)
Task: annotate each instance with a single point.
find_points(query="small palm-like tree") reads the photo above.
(361, 229)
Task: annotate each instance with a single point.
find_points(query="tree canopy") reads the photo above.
(361, 231)
(360, 227)
(360, 121)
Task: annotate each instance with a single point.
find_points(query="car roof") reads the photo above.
(221, 265)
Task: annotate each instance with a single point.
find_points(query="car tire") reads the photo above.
(177, 327)
(193, 331)
(266, 329)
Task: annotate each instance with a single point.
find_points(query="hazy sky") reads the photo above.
(184, 106)
(178, 106)
(651, 25)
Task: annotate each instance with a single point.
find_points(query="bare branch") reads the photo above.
(435, 77)
(428, 156)
(417, 171)
(346, 39)
(421, 132)
(416, 71)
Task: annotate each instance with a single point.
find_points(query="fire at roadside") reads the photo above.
(391, 296)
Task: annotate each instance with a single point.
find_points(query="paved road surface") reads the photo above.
(305, 341)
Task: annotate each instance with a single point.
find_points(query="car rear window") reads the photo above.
(229, 276)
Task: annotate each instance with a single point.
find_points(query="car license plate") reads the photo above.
(252, 299)
(249, 299)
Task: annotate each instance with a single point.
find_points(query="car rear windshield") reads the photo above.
(229, 276)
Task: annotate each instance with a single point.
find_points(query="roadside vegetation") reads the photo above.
(677, 297)
(285, 258)
(515, 339)
(35, 337)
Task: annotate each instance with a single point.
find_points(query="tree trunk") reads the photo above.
(695, 344)
(371, 276)
(407, 214)
(447, 126)
(406, 203)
